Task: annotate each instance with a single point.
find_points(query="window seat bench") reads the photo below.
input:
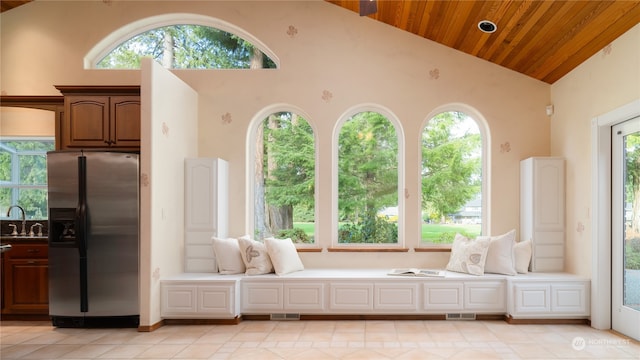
(371, 294)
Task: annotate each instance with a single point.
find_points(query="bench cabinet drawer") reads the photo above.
(269, 297)
(308, 297)
(558, 299)
(192, 300)
(485, 296)
(395, 298)
(351, 297)
(443, 296)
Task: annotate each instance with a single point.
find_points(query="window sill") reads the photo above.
(446, 248)
(366, 249)
(308, 249)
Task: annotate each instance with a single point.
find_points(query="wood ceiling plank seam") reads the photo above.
(459, 25)
(540, 8)
(556, 13)
(403, 13)
(599, 43)
(449, 23)
(386, 12)
(565, 47)
(437, 20)
(498, 9)
(425, 19)
(512, 26)
(501, 28)
(466, 43)
(418, 14)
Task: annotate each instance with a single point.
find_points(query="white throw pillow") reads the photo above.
(255, 256)
(228, 256)
(522, 251)
(468, 256)
(500, 258)
(284, 255)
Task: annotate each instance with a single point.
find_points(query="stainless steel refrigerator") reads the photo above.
(93, 238)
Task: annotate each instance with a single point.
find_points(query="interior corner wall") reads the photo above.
(169, 126)
(606, 81)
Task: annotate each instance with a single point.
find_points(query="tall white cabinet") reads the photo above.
(542, 211)
(206, 211)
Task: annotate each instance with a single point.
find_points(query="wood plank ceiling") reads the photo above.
(544, 39)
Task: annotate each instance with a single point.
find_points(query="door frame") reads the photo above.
(601, 210)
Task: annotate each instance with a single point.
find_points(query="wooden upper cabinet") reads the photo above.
(125, 121)
(105, 117)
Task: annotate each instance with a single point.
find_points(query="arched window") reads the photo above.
(284, 178)
(452, 178)
(181, 41)
(368, 179)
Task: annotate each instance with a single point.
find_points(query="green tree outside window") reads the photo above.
(23, 175)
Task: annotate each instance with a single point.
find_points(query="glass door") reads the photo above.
(625, 217)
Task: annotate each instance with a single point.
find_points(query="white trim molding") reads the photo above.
(601, 207)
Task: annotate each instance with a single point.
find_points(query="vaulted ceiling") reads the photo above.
(544, 39)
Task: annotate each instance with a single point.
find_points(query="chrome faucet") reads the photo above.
(23, 232)
(32, 234)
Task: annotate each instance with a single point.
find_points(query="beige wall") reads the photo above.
(15, 121)
(169, 128)
(608, 80)
(322, 49)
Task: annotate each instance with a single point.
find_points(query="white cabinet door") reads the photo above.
(532, 299)
(193, 300)
(548, 191)
(570, 299)
(550, 299)
(396, 297)
(205, 211)
(486, 296)
(351, 297)
(542, 211)
(206, 195)
(216, 301)
(304, 297)
(443, 296)
(178, 299)
(262, 297)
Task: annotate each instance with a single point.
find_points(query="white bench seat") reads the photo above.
(371, 292)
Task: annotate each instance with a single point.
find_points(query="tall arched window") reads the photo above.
(368, 180)
(284, 178)
(452, 176)
(181, 41)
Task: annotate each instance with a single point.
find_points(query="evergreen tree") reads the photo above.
(187, 47)
(451, 165)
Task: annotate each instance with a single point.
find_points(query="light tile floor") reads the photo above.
(258, 340)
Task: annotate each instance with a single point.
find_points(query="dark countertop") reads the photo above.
(23, 239)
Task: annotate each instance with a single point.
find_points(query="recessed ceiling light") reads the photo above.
(487, 26)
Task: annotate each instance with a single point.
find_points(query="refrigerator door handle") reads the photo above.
(81, 235)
